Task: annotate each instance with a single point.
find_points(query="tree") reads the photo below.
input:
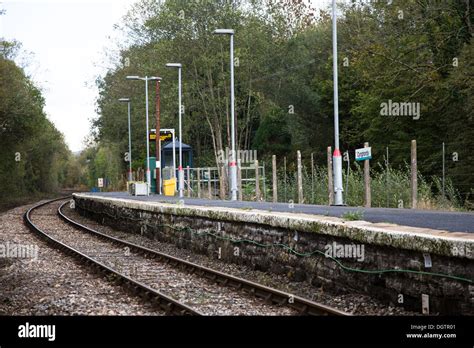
(33, 152)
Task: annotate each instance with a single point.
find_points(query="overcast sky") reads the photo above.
(67, 39)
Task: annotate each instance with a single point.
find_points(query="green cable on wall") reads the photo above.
(287, 247)
(340, 264)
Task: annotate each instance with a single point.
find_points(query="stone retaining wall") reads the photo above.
(262, 240)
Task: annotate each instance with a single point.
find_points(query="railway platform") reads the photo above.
(421, 260)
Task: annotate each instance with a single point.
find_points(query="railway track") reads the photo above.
(179, 286)
(166, 303)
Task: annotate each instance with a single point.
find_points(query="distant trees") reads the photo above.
(34, 157)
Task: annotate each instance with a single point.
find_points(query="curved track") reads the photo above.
(272, 297)
(165, 302)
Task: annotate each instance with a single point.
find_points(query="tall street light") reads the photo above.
(127, 100)
(180, 168)
(158, 139)
(232, 161)
(337, 159)
(146, 79)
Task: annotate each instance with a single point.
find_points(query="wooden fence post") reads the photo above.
(330, 178)
(312, 178)
(414, 176)
(189, 180)
(209, 185)
(367, 192)
(275, 179)
(257, 182)
(300, 178)
(285, 178)
(239, 180)
(199, 182)
(222, 182)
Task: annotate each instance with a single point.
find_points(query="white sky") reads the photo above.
(68, 39)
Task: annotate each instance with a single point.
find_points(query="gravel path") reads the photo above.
(53, 283)
(357, 304)
(193, 290)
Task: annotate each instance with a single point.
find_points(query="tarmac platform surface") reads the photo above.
(430, 219)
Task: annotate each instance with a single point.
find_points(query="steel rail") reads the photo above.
(168, 304)
(271, 295)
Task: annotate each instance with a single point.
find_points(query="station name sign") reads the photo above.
(164, 135)
(363, 154)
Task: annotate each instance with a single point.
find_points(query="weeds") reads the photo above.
(353, 215)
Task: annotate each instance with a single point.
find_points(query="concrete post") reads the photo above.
(444, 171)
(257, 182)
(222, 183)
(312, 177)
(285, 178)
(209, 187)
(239, 180)
(199, 182)
(189, 180)
(275, 179)
(300, 178)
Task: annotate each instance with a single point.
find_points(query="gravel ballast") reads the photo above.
(204, 295)
(54, 284)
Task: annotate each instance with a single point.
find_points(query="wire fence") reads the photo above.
(389, 186)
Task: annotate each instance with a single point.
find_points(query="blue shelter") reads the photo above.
(167, 155)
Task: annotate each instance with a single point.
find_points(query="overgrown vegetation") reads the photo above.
(34, 157)
(353, 215)
(389, 188)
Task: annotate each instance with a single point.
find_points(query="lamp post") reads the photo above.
(180, 167)
(158, 139)
(337, 158)
(232, 161)
(146, 79)
(127, 100)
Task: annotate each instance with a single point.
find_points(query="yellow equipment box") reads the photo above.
(169, 187)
